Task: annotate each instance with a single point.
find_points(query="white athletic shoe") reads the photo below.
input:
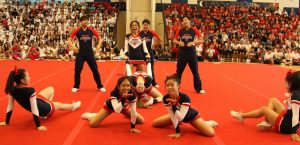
(237, 115)
(75, 105)
(88, 115)
(102, 89)
(212, 123)
(74, 90)
(202, 92)
(264, 125)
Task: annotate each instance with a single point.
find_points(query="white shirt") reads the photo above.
(210, 52)
(268, 56)
(278, 55)
(199, 49)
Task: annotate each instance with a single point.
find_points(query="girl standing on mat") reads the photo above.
(141, 85)
(121, 98)
(40, 105)
(285, 120)
(135, 47)
(179, 110)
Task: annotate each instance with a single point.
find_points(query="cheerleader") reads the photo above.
(285, 120)
(179, 109)
(121, 99)
(39, 104)
(187, 37)
(142, 86)
(135, 47)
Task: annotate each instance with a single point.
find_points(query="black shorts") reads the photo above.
(283, 123)
(45, 107)
(191, 116)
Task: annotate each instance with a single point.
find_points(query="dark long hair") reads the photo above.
(14, 76)
(138, 23)
(120, 80)
(173, 77)
(293, 79)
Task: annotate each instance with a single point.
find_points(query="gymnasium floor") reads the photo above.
(228, 86)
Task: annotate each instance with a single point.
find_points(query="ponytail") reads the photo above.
(14, 76)
(10, 82)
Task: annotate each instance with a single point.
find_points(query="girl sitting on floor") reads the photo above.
(285, 120)
(39, 104)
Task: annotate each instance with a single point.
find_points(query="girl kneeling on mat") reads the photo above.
(179, 107)
(285, 120)
(40, 104)
(120, 100)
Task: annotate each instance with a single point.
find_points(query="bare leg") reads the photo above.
(162, 121)
(203, 127)
(268, 113)
(48, 93)
(276, 105)
(131, 67)
(139, 119)
(96, 120)
(62, 106)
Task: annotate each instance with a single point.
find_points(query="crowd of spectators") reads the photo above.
(40, 30)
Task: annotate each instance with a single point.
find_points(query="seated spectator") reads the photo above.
(210, 54)
(120, 55)
(7, 50)
(34, 53)
(288, 57)
(268, 56)
(16, 52)
(278, 55)
(42, 50)
(296, 57)
(63, 52)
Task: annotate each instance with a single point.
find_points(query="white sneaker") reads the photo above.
(237, 115)
(202, 92)
(74, 90)
(75, 105)
(88, 115)
(212, 123)
(264, 125)
(102, 89)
